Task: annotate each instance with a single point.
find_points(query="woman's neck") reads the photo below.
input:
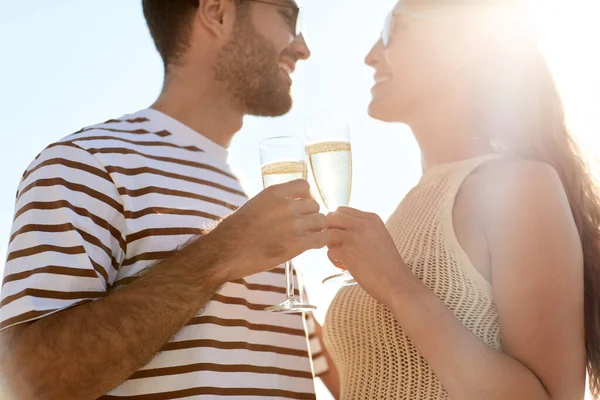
(449, 130)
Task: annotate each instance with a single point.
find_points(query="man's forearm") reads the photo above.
(84, 352)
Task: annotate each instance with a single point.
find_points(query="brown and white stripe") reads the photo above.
(97, 208)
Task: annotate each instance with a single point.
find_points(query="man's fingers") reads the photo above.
(306, 206)
(312, 223)
(298, 189)
(316, 240)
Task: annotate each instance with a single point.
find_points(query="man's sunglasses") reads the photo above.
(294, 20)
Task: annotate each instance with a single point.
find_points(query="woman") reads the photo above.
(485, 282)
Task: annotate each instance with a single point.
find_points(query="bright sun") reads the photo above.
(570, 38)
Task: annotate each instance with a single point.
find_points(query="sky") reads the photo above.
(67, 64)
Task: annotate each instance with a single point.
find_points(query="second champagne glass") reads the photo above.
(283, 160)
(330, 153)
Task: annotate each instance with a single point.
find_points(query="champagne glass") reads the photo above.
(330, 154)
(283, 159)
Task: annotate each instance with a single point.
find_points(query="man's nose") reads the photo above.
(300, 48)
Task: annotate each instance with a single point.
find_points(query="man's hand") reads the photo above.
(277, 225)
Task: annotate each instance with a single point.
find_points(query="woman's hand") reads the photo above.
(361, 243)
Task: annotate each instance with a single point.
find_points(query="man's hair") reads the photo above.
(170, 24)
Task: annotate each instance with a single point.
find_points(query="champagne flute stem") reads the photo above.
(289, 280)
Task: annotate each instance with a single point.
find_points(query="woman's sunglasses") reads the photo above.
(388, 26)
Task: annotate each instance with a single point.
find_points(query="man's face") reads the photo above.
(255, 65)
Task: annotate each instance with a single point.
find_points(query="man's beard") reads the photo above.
(248, 65)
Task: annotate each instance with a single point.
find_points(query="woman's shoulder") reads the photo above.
(515, 171)
(502, 187)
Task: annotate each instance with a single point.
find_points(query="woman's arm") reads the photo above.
(331, 378)
(537, 284)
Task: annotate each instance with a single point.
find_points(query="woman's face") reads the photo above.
(427, 56)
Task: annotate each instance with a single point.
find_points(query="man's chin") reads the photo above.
(275, 106)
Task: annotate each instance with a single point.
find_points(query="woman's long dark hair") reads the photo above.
(525, 114)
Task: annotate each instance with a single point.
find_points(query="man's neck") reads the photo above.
(203, 106)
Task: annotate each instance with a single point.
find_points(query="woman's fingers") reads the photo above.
(352, 212)
(334, 254)
(338, 220)
(339, 237)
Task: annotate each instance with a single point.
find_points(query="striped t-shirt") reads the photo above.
(98, 207)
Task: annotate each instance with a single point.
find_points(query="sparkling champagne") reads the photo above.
(331, 163)
(283, 172)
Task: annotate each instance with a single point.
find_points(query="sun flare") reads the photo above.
(570, 40)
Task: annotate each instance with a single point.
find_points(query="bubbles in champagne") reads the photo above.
(331, 163)
(283, 172)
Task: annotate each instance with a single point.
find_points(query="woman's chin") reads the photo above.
(382, 111)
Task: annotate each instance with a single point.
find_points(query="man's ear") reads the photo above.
(217, 16)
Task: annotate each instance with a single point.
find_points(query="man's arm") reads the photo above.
(84, 352)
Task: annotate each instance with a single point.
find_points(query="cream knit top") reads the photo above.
(375, 358)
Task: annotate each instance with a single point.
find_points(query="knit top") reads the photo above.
(374, 357)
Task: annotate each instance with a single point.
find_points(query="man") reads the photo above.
(114, 288)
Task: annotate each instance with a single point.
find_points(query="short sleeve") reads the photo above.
(67, 238)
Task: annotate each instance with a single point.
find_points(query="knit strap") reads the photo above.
(456, 178)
